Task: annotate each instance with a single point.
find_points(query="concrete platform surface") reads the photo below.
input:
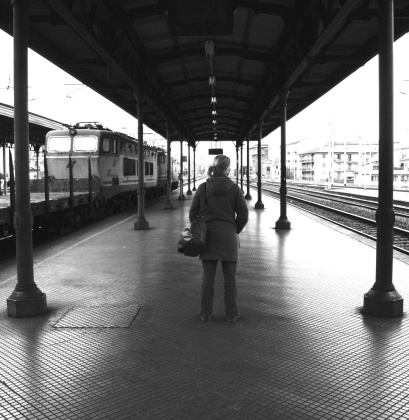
(122, 338)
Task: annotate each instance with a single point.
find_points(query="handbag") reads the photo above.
(193, 237)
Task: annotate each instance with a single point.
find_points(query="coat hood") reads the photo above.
(219, 185)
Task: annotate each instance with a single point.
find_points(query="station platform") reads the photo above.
(122, 338)
(400, 195)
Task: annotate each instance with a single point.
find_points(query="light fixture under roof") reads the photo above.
(209, 48)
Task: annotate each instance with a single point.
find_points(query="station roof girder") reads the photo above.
(123, 47)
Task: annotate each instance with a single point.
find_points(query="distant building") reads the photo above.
(339, 163)
(265, 161)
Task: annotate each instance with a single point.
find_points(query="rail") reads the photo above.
(365, 226)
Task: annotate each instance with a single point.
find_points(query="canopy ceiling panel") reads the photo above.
(210, 69)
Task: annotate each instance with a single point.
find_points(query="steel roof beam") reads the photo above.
(253, 55)
(205, 79)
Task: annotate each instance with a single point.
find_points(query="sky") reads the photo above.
(348, 112)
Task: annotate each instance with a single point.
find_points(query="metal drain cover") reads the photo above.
(99, 317)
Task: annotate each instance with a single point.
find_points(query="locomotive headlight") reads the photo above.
(72, 131)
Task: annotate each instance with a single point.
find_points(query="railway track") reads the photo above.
(321, 204)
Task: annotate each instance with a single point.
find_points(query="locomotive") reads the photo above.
(90, 158)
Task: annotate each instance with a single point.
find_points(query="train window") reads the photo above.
(59, 144)
(85, 143)
(148, 168)
(105, 145)
(129, 167)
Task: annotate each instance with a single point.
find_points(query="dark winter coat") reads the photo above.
(226, 214)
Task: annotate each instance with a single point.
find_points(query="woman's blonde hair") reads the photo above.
(220, 166)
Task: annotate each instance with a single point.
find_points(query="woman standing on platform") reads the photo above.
(225, 212)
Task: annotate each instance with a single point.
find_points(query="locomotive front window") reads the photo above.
(85, 143)
(59, 144)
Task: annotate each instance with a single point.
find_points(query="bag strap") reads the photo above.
(204, 203)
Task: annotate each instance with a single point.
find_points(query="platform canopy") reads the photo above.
(211, 69)
(38, 126)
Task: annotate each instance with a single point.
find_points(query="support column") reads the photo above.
(241, 168)
(168, 203)
(4, 169)
(181, 196)
(194, 168)
(189, 191)
(283, 222)
(27, 299)
(237, 164)
(383, 299)
(141, 223)
(248, 195)
(259, 204)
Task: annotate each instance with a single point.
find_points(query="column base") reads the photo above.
(141, 223)
(181, 198)
(168, 205)
(194, 189)
(248, 196)
(283, 223)
(259, 205)
(189, 192)
(26, 304)
(383, 304)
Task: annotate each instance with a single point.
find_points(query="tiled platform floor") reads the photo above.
(122, 338)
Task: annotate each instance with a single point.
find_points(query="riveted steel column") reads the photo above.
(383, 299)
(181, 196)
(189, 191)
(259, 204)
(194, 168)
(168, 203)
(283, 222)
(248, 195)
(27, 299)
(141, 223)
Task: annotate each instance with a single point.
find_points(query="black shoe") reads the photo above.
(233, 319)
(205, 318)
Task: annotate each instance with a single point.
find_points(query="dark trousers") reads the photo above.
(230, 291)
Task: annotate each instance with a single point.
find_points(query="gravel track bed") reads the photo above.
(400, 221)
